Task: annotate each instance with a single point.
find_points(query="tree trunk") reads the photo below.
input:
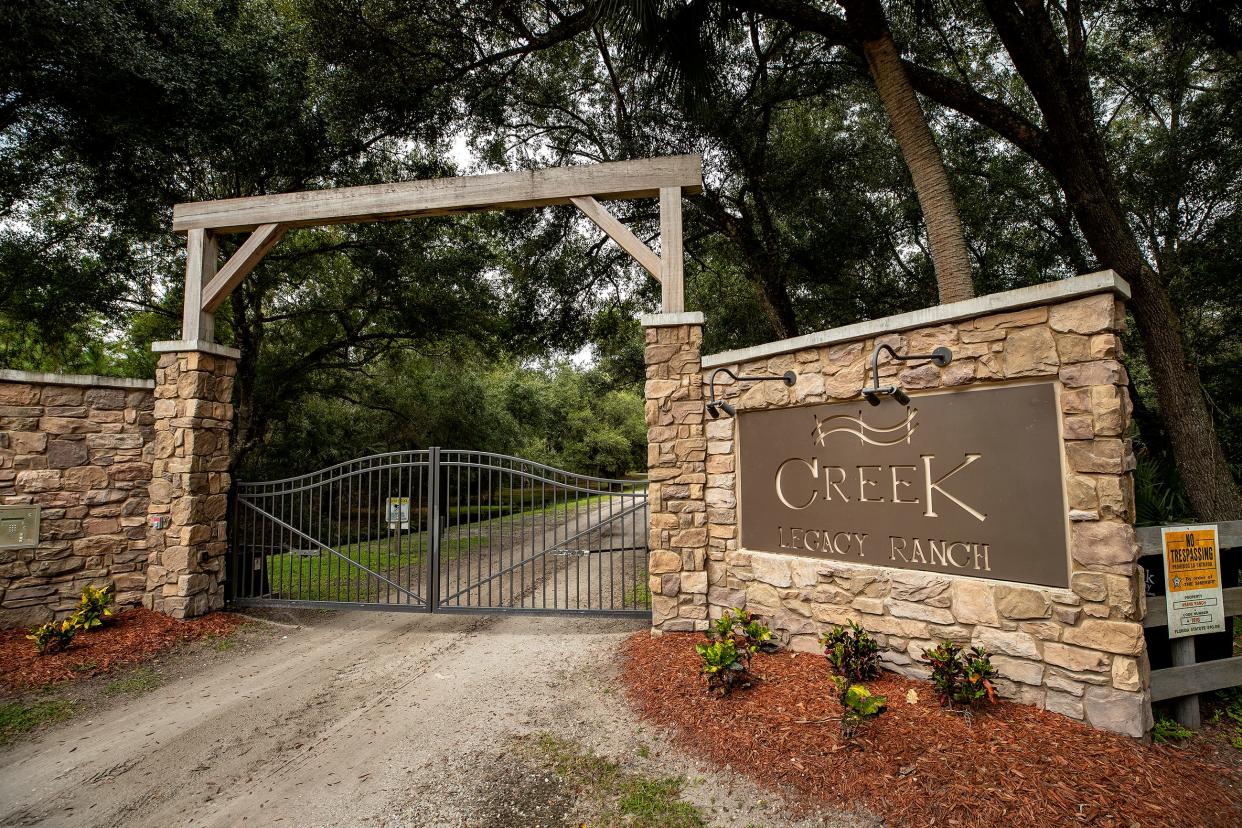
(918, 147)
(1197, 453)
(1077, 158)
(768, 282)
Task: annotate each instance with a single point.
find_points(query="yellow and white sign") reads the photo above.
(398, 513)
(1193, 594)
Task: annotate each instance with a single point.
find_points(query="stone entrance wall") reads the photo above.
(132, 480)
(79, 448)
(1077, 651)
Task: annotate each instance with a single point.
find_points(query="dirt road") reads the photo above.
(364, 718)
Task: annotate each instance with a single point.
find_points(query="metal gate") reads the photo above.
(440, 530)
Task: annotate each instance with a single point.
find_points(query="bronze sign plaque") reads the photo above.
(963, 483)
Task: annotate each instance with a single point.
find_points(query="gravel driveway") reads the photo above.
(364, 718)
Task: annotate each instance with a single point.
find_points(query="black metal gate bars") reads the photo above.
(440, 530)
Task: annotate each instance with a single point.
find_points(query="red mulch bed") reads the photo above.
(922, 765)
(131, 637)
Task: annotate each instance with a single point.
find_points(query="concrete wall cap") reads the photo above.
(42, 378)
(1045, 294)
(178, 346)
(663, 320)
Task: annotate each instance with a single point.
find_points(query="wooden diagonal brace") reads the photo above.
(239, 266)
(619, 233)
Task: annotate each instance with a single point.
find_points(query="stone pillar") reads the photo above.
(188, 529)
(677, 469)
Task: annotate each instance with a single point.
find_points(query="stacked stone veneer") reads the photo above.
(79, 448)
(677, 470)
(188, 532)
(1077, 651)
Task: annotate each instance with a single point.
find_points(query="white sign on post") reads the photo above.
(1192, 583)
(398, 513)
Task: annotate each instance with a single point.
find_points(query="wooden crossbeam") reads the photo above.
(1230, 536)
(619, 233)
(1189, 679)
(646, 178)
(240, 264)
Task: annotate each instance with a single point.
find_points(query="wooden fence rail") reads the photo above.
(1185, 680)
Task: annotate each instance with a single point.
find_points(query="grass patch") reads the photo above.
(17, 718)
(620, 797)
(324, 576)
(328, 577)
(141, 680)
(222, 643)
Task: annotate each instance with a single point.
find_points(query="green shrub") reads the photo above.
(93, 608)
(858, 704)
(731, 641)
(724, 666)
(851, 652)
(962, 676)
(757, 634)
(748, 632)
(1167, 731)
(53, 636)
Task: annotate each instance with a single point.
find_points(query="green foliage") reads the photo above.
(851, 652)
(1230, 701)
(54, 636)
(748, 632)
(758, 635)
(724, 665)
(112, 112)
(19, 717)
(858, 705)
(862, 703)
(1167, 731)
(655, 803)
(962, 676)
(1158, 498)
(93, 608)
(731, 641)
(583, 420)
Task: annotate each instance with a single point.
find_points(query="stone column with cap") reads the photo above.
(677, 470)
(187, 517)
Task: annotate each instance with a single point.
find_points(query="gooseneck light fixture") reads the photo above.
(942, 356)
(714, 406)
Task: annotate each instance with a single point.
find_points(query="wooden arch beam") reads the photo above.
(268, 217)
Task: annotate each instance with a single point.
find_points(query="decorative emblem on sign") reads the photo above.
(844, 423)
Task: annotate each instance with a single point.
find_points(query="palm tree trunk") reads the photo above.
(918, 147)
